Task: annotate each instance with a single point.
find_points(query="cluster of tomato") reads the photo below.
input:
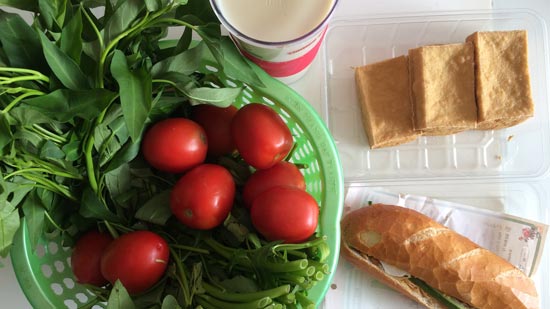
(202, 198)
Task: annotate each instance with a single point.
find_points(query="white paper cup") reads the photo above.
(286, 58)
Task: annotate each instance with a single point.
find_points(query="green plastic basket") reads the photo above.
(45, 275)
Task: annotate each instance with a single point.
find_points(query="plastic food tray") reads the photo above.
(521, 151)
(504, 170)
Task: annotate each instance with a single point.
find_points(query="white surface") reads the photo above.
(310, 88)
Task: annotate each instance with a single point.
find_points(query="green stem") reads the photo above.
(227, 252)
(112, 44)
(52, 186)
(90, 171)
(36, 74)
(53, 222)
(12, 80)
(42, 170)
(304, 301)
(260, 303)
(306, 272)
(164, 81)
(308, 244)
(189, 248)
(182, 278)
(172, 21)
(94, 27)
(245, 297)
(48, 135)
(12, 90)
(89, 147)
(20, 98)
(287, 266)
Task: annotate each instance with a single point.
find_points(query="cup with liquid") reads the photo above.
(281, 36)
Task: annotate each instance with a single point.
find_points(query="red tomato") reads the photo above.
(174, 145)
(138, 259)
(203, 197)
(285, 213)
(86, 257)
(216, 122)
(261, 136)
(281, 174)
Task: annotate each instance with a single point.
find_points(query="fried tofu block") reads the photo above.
(503, 88)
(383, 90)
(442, 88)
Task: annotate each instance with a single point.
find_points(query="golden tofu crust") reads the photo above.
(442, 88)
(503, 87)
(383, 90)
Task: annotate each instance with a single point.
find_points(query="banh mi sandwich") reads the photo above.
(430, 263)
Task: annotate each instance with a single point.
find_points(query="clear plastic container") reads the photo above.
(504, 170)
(519, 152)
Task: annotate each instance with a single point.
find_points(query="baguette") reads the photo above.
(443, 259)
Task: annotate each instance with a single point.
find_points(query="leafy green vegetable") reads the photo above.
(20, 42)
(119, 298)
(27, 5)
(64, 104)
(63, 66)
(77, 91)
(135, 93)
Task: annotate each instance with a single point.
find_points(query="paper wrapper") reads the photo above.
(518, 240)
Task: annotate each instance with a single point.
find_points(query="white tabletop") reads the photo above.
(309, 86)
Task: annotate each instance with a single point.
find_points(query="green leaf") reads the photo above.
(72, 150)
(25, 116)
(221, 97)
(26, 5)
(9, 224)
(51, 150)
(155, 5)
(125, 12)
(118, 181)
(21, 43)
(109, 138)
(170, 302)
(17, 188)
(119, 298)
(185, 62)
(92, 207)
(71, 37)
(199, 8)
(93, 3)
(53, 13)
(127, 153)
(165, 105)
(211, 35)
(185, 41)
(34, 211)
(63, 66)
(135, 93)
(64, 104)
(236, 66)
(157, 209)
(6, 135)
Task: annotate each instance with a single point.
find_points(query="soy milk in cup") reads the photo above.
(281, 36)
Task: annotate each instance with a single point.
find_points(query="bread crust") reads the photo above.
(400, 284)
(440, 257)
